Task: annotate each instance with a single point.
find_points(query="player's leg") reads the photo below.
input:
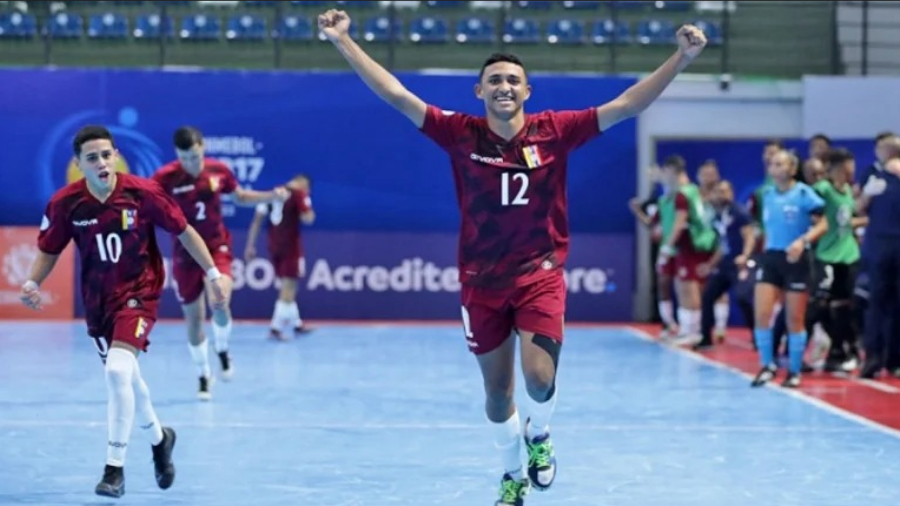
(488, 326)
(161, 439)
(189, 289)
(664, 287)
(687, 288)
(882, 287)
(796, 298)
(717, 285)
(283, 315)
(539, 317)
(818, 320)
(299, 326)
(221, 317)
(119, 372)
(766, 293)
(721, 312)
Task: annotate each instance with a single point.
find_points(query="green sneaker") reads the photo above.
(512, 491)
(541, 462)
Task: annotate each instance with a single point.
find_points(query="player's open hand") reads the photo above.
(795, 251)
(31, 295)
(217, 299)
(691, 41)
(249, 252)
(281, 193)
(334, 24)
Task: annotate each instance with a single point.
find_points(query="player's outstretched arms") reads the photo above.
(637, 98)
(245, 197)
(195, 246)
(335, 25)
(41, 268)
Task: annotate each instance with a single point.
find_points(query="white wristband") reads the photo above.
(30, 285)
(213, 274)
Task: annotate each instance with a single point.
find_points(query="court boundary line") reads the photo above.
(796, 394)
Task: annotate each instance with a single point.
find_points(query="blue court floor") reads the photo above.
(392, 415)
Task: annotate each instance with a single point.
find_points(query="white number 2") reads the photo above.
(110, 248)
(201, 211)
(520, 198)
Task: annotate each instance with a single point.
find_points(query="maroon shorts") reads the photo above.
(667, 269)
(127, 326)
(687, 262)
(289, 266)
(188, 275)
(490, 315)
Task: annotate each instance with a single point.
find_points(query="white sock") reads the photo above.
(721, 310)
(146, 415)
(508, 440)
(539, 414)
(694, 317)
(282, 316)
(120, 365)
(684, 320)
(295, 315)
(200, 355)
(221, 335)
(666, 313)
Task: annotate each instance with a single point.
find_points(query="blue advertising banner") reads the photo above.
(408, 276)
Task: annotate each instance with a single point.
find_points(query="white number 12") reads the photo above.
(520, 198)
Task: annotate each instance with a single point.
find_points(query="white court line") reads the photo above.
(877, 385)
(8, 424)
(644, 336)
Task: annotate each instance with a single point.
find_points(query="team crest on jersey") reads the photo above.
(214, 183)
(129, 219)
(141, 328)
(532, 156)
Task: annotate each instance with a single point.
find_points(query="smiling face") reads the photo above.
(504, 89)
(97, 161)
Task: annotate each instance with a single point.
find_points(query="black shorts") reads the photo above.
(835, 281)
(773, 268)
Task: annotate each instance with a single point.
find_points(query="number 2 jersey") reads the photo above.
(121, 266)
(511, 194)
(200, 201)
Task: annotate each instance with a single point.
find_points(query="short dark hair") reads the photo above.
(89, 133)
(500, 57)
(836, 157)
(185, 137)
(775, 142)
(676, 162)
(822, 137)
(884, 135)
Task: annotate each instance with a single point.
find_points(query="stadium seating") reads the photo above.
(200, 27)
(109, 25)
(246, 27)
(429, 30)
(17, 25)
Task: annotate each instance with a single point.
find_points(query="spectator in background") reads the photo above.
(819, 144)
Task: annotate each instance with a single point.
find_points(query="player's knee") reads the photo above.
(540, 382)
(119, 369)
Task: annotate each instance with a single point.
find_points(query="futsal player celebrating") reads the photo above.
(791, 214)
(111, 217)
(510, 175)
(196, 183)
(285, 250)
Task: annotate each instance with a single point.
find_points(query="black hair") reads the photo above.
(186, 137)
(89, 133)
(500, 57)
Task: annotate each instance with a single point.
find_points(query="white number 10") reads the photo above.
(520, 199)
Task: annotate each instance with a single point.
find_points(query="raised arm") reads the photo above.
(335, 25)
(635, 99)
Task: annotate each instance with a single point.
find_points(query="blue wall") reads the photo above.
(371, 169)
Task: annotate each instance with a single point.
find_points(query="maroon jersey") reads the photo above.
(120, 261)
(200, 200)
(283, 223)
(511, 194)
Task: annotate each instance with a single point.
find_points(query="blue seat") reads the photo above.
(447, 4)
(633, 5)
(378, 29)
(152, 26)
(109, 25)
(674, 6)
(295, 28)
(713, 31)
(539, 6)
(17, 25)
(475, 31)
(565, 31)
(582, 5)
(246, 27)
(200, 27)
(429, 30)
(65, 26)
(260, 4)
(308, 3)
(605, 31)
(655, 31)
(521, 31)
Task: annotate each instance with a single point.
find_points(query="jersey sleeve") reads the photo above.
(229, 181)
(813, 202)
(823, 188)
(741, 217)
(445, 128)
(576, 127)
(161, 209)
(681, 202)
(55, 232)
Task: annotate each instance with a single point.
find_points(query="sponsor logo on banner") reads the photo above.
(18, 249)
